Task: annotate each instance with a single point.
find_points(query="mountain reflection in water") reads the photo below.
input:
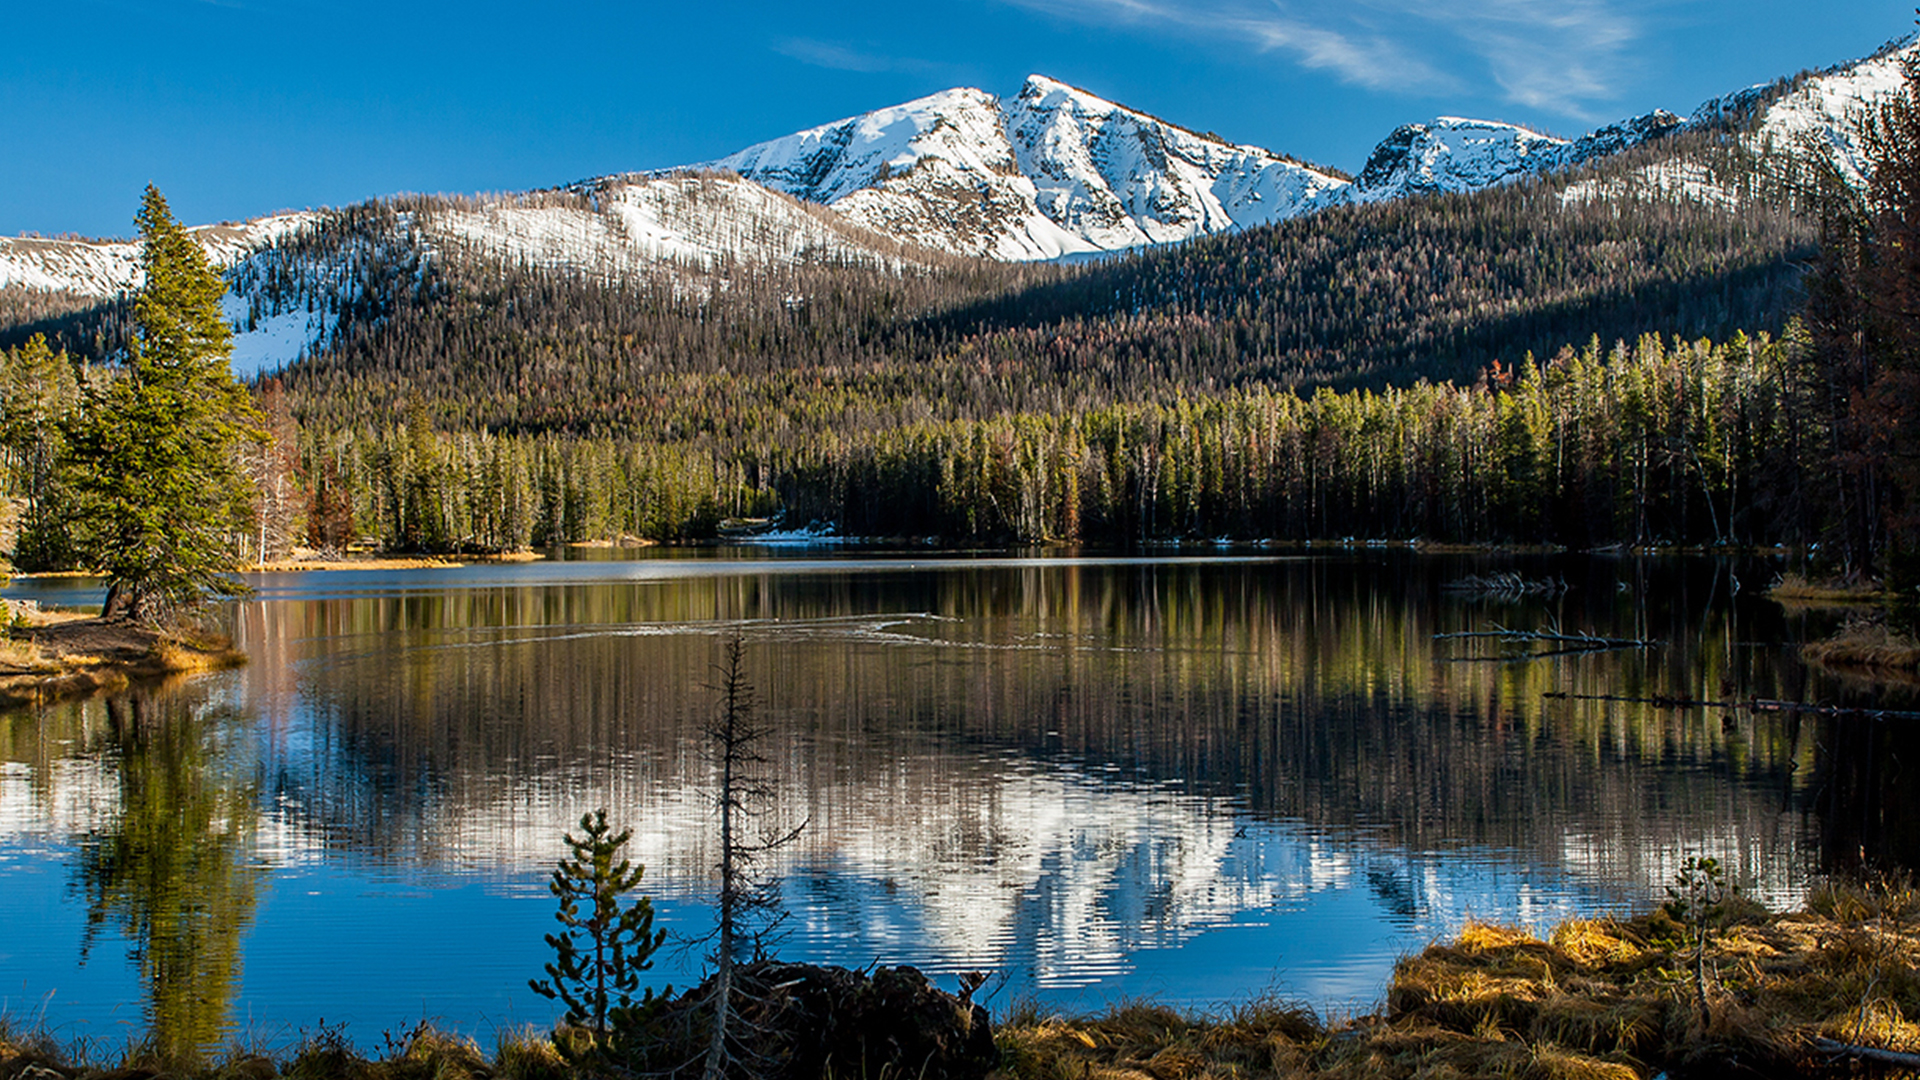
(1190, 778)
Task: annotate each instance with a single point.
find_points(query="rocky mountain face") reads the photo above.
(1050, 171)
(1451, 154)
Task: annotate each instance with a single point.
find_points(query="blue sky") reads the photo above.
(237, 108)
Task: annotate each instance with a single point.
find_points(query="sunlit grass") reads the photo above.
(1798, 589)
(1599, 998)
(1865, 643)
(181, 651)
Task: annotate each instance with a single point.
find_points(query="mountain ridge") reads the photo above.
(1049, 172)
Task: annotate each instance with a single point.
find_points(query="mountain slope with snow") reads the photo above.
(106, 268)
(1780, 128)
(295, 280)
(1828, 112)
(1051, 171)
(1452, 154)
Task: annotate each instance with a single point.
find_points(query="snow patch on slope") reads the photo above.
(105, 269)
(1828, 113)
(629, 227)
(273, 342)
(1688, 179)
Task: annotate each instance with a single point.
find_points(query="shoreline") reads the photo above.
(389, 562)
(60, 655)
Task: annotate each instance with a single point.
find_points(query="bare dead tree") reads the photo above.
(748, 899)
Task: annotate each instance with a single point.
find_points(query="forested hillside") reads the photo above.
(1376, 295)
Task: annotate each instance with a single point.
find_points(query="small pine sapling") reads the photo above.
(1697, 900)
(598, 958)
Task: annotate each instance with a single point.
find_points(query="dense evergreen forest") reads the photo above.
(1578, 359)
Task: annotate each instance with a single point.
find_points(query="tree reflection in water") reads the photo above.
(173, 870)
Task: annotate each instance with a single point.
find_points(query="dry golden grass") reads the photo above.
(1866, 644)
(1798, 590)
(185, 651)
(528, 1054)
(426, 1053)
(23, 658)
(1598, 999)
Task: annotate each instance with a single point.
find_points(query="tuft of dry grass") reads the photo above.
(181, 651)
(1800, 591)
(1865, 643)
(528, 1054)
(23, 658)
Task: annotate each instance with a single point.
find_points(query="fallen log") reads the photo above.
(1874, 1054)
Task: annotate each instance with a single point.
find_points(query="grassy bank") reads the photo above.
(46, 656)
(1593, 999)
(1776, 996)
(1868, 647)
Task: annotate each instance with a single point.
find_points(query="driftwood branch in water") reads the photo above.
(1754, 705)
(1507, 583)
(1576, 641)
(1868, 1053)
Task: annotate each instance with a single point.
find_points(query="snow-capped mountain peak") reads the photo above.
(829, 162)
(1451, 153)
(1051, 171)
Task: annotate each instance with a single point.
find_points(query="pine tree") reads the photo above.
(1863, 315)
(37, 393)
(153, 454)
(599, 957)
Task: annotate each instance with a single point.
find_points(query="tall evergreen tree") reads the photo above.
(37, 393)
(153, 466)
(1863, 315)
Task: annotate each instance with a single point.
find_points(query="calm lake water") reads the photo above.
(1189, 778)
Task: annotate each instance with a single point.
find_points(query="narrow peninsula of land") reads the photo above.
(50, 655)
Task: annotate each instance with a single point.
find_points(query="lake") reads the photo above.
(1194, 778)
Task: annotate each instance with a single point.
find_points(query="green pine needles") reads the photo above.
(151, 463)
(598, 958)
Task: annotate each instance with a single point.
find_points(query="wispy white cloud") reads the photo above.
(1562, 56)
(840, 57)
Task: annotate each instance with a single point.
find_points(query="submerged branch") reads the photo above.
(1506, 584)
(1578, 642)
(1753, 705)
